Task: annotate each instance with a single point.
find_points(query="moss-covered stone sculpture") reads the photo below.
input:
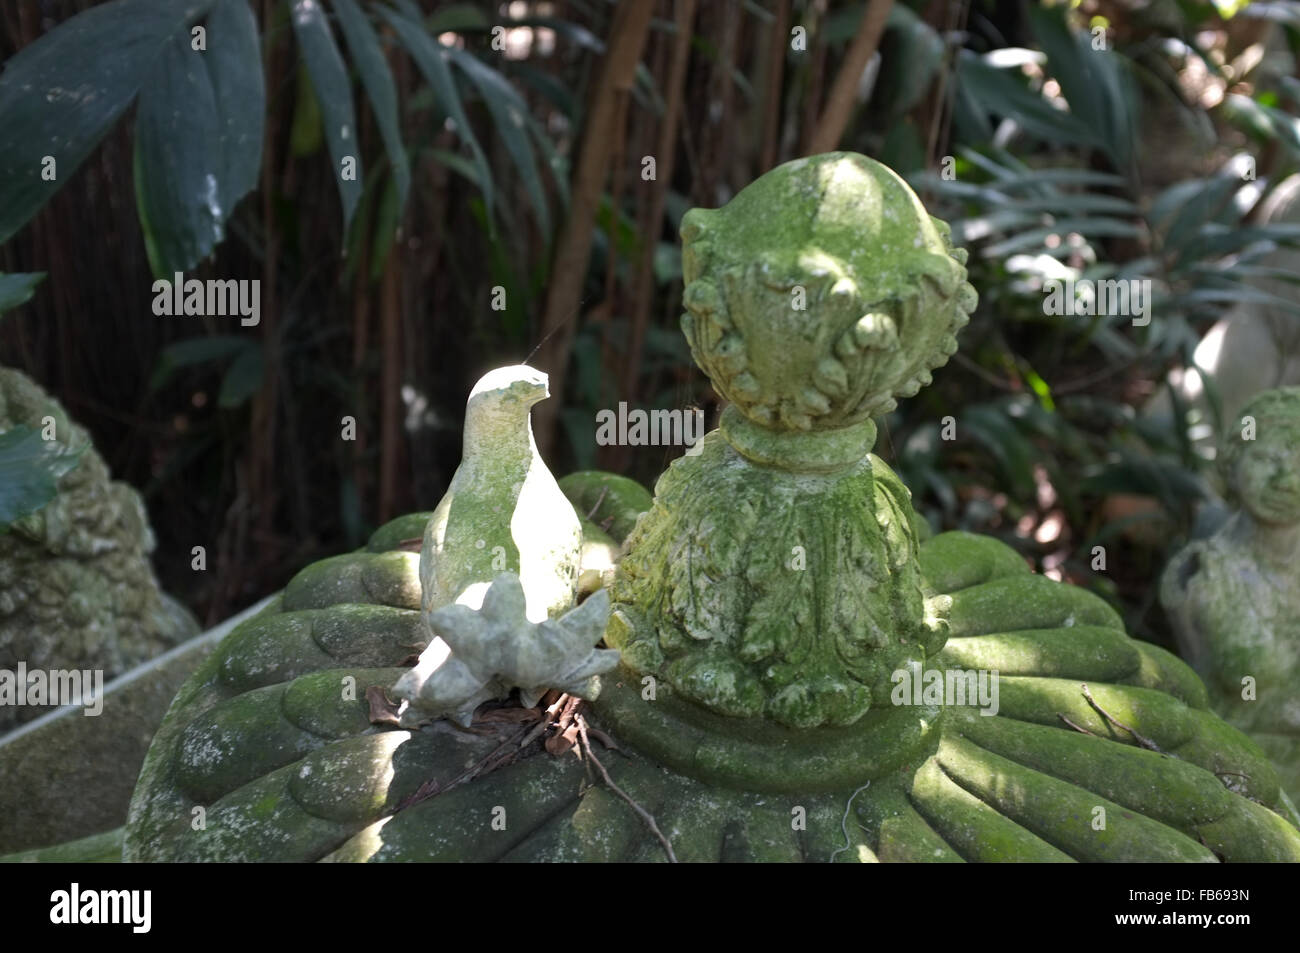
(801, 679)
(1234, 598)
(76, 587)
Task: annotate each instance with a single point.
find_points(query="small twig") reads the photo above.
(507, 748)
(547, 720)
(642, 812)
(1141, 739)
(1074, 726)
(844, 823)
(591, 514)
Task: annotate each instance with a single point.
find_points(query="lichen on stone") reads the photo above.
(1234, 597)
(77, 590)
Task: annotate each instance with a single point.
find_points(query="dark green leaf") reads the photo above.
(329, 79)
(1200, 208)
(458, 164)
(1092, 81)
(991, 426)
(377, 79)
(1063, 177)
(18, 289)
(1089, 228)
(1002, 94)
(175, 166)
(509, 114)
(452, 17)
(30, 468)
(1086, 202)
(1213, 240)
(235, 65)
(61, 94)
(431, 58)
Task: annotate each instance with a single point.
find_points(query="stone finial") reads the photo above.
(776, 575)
(820, 293)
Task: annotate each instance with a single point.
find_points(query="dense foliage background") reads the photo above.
(504, 145)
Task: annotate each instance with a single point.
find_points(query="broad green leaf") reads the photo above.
(954, 188)
(989, 425)
(458, 164)
(1146, 476)
(1238, 270)
(996, 222)
(1085, 202)
(1262, 121)
(555, 91)
(1089, 228)
(1213, 240)
(970, 120)
(903, 151)
(307, 131)
(377, 79)
(30, 468)
(61, 94)
(1248, 116)
(1064, 177)
(557, 163)
(453, 17)
(16, 290)
(1210, 200)
(431, 58)
(1099, 93)
(1003, 172)
(175, 163)
(509, 114)
(329, 79)
(1238, 295)
(1005, 95)
(1174, 198)
(235, 64)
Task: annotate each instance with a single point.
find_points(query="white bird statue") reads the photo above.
(502, 513)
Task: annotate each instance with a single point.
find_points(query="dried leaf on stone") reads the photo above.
(383, 711)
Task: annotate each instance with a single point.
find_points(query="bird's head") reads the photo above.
(514, 388)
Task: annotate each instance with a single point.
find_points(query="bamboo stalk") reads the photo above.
(839, 104)
(772, 88)
(665, 161)
(627, 38)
